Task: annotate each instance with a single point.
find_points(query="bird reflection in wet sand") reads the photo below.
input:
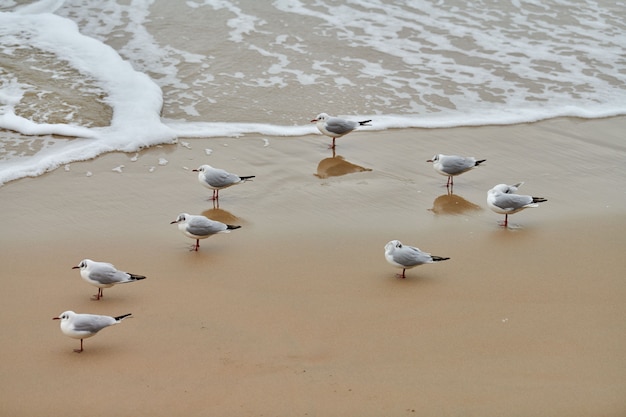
(337, 166)
(452, 204)
(220, 215)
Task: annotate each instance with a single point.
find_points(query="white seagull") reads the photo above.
(200, 227)
(104, 275)
(217, 179)
(407, 257)
(452, 165)
(82, 326)
(503, 200)
(336, 127)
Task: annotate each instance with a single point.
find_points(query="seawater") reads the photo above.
(79, 78)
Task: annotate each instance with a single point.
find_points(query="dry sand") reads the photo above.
(298, 313)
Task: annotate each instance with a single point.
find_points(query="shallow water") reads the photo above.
(126, 76)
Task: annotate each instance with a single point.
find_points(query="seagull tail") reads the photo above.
(120, 318)
(438, 258)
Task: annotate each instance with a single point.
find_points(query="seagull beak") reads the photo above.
(173, 222)
(429, 160)
(194, 170)
(56, 318)
(314, 120)
(76, 267)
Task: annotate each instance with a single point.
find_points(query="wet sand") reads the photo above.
(297, 312)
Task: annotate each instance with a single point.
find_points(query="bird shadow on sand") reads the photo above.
(452, 204)
(336, 166)
(221, 215)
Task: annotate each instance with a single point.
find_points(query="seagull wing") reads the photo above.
(512, 201)
(340, 126)
(202, 226)
(220, 178)
(411, 256)
(457, 164)
(106, 273)
(92, 323)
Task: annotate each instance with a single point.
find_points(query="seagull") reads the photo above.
(503, 200)
(336, 127)
(407, 257)
(452, 165)
(216, 179)
(200, 227)
(104, 275)
(82, 326)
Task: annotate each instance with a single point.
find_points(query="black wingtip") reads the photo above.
(439, 258)
(539, 200)
(118, 318)
(136, 277)
(232, 227)
(249, 177)
(480, 162)
(364, 122)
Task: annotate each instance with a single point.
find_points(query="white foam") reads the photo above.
(135, 99)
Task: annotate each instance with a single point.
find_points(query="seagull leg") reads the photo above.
(98, 296)
(506, 220)
(402, 274)
(333, 145)
(81, 347)
(197, 244)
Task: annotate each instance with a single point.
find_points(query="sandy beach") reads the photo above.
(297, 313)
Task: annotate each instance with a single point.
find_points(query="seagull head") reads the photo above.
(182, 218)
(82, 265)
(394, 244)
(202, 168)
(66, 315)
(320, 118)
(507, 189)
